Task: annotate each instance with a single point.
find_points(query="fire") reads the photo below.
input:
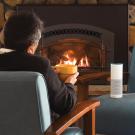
(84, 62)
(70, 61)
(69, 57)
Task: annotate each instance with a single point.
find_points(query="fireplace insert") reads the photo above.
(78, 44)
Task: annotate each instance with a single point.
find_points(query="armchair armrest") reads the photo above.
(60, 125)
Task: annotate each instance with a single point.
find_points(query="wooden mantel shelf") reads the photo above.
(83, 82)
(92, 76)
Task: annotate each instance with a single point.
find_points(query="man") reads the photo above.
(21, 35)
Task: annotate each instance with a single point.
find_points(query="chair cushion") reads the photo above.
(116, 116)
(73, 131)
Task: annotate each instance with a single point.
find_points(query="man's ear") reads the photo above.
(31, 49)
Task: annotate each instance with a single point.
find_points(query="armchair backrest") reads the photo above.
(24, 107)
(131, 78)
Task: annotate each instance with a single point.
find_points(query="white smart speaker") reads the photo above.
(116, 81)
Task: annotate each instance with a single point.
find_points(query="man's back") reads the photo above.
(21, 61)
(22, 33)
(62, 96)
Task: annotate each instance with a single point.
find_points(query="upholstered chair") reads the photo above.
(24, 107)
(131, 78)
(117, 116)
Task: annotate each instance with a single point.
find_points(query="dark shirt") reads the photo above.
(62, 96)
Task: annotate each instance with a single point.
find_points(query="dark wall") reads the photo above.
(111, 17)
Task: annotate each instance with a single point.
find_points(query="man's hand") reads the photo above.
(72, 79)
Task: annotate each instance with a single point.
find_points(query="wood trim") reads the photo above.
(88, 123)
(92, 76)
(82, 108)
(93, 121)
(83, 79)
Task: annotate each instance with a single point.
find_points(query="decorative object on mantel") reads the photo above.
(9, 13)
(34, 1)
(13, 3)
(87, 1)
(1, 15)
(116, 80)
(60, 1)
(113, 1)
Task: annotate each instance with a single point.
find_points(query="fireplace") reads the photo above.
(93, 34)
(83, 45)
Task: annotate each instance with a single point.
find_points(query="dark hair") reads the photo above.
(22, 29)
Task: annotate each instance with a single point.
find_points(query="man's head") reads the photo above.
(22, 32)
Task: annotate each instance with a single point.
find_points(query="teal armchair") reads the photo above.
(131, 78)
(24, 107)
(117, 116)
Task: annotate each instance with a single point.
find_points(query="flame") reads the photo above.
(69, 58)
(84, 62)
